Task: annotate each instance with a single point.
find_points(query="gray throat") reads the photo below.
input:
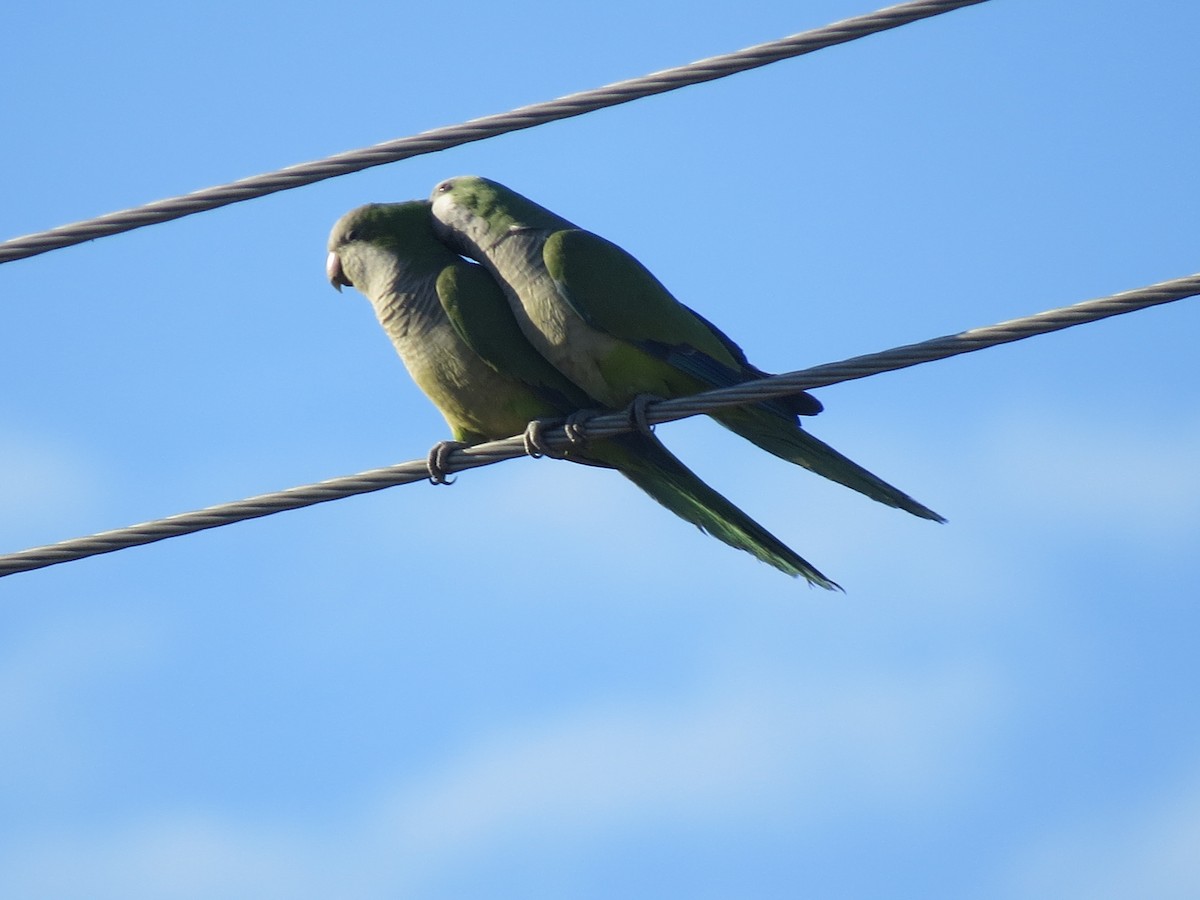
(410, 308)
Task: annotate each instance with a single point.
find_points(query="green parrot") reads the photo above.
(452, 327)
(603, 320)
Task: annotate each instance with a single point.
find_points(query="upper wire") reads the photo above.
(477, 129)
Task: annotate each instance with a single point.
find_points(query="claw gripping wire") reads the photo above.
(608, 424)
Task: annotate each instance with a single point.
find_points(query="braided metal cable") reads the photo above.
(934, 348)
(477, 129)
(606, 425)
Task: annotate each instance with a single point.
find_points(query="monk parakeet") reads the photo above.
(451, 325)
(603, 320)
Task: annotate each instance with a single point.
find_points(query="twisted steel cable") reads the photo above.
(477, 129)
(606, 425)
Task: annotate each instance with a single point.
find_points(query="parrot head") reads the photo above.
(375, 242)
(473, 214)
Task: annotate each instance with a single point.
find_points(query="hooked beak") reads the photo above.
(333, 268)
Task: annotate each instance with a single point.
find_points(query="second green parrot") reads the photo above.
(454, 330)
(604, 321)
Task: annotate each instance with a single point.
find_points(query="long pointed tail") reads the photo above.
(648, 464)
(787, 440)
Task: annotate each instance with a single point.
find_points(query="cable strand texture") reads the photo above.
(477, 129)
(605, 425)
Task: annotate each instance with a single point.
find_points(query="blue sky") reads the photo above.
(536, 682)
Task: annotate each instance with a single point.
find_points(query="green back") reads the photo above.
(616, 294)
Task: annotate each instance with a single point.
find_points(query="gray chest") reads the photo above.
(546, 317)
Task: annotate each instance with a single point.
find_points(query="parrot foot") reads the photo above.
(435, 462)
(576, 424)
(637, 412)
(535, 441)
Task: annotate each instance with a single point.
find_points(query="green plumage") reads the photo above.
(605, 322)
(451, 325)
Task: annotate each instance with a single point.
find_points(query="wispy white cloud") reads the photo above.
(752, 746)
(1147, 848)
(1092, 472)
(175, 855)
(44, 679)
(40, 480)
(757, 745)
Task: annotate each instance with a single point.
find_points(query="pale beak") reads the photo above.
(333, 268)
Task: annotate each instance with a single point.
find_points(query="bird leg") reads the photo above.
(576, 424)
(435, 462)
(637, 413)
(535, 440)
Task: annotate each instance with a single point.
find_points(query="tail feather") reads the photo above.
(648, 464)
(785, 439)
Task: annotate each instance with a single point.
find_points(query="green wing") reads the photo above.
(481, 316)
(616, 294)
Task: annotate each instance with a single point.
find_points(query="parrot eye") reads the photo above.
(444, 187)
